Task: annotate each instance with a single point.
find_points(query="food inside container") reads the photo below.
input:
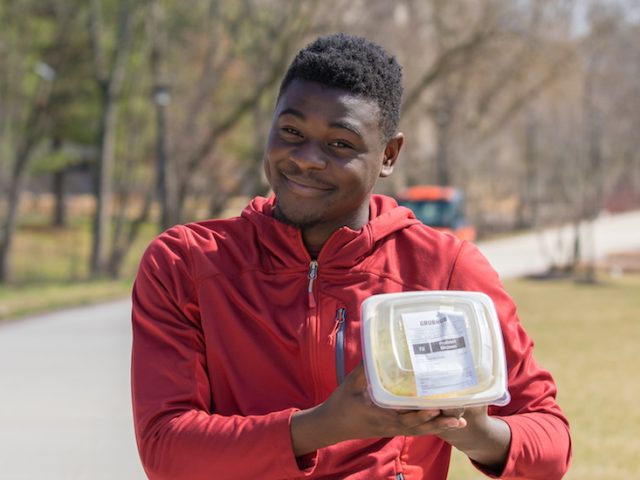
(434, 349)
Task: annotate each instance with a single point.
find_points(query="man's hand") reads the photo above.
(485, 439)
(349, 413)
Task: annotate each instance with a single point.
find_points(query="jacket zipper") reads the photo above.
(313, 273)
(313, 326)
(341, 319)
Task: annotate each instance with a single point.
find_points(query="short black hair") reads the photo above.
(356, 65)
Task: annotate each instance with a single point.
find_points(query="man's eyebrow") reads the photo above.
(347, 126)
(292, 111)
(338, 124)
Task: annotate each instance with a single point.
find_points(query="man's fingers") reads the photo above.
(431, 422)
(416, 418)
(453, 412)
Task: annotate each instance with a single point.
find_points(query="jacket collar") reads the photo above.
(344, 248)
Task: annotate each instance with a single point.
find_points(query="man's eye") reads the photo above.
(340, 144)
(291, 131)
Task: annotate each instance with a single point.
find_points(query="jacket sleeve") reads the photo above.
(179, 435)
(540, 440)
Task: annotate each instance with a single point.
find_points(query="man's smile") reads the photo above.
(305, 186)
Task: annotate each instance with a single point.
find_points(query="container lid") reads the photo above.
(433, 349)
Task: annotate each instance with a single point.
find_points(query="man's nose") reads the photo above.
(309, 155)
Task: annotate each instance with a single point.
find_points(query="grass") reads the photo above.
(19, 301)
(50, 268)
(586, 335)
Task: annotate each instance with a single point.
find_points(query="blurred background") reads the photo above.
(120, 118)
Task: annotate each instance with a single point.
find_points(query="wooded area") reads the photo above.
(530, 106)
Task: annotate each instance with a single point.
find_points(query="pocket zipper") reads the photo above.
(341, 319)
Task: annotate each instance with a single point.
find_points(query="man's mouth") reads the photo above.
(305, 186)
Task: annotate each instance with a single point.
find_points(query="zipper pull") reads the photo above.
(313, 273)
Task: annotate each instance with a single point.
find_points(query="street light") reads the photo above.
(162, 99)
(161, 95)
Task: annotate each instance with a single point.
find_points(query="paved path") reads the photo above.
(64, 377)
(65, 410)
(534, 252)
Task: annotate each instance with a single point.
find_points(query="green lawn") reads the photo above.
(50, 269)
(587, 335)
(17, 301)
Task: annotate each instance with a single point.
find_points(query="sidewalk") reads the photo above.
(533, 253)
(65, 397)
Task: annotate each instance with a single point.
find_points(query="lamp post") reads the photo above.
(162, 99)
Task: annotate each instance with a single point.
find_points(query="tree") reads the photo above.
(35, 129)
(237, 52)
(249, 46)
(109, 77)
(29, 91)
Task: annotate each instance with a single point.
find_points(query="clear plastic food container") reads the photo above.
(433, 349)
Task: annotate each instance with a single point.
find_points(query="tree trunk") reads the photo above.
(34, 130)
(13, 203)
(58, 189)
(162, 166)
(109, 80)
(60, 200)
(121, 248)
(526, 210)
(442, 153)
(592, 196)
(161, 100)
(444, 118)
(104, 187)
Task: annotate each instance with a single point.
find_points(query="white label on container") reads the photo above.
(440, 352)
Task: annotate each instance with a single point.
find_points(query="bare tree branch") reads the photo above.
(447, 61)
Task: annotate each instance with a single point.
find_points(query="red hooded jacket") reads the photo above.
(235, 328)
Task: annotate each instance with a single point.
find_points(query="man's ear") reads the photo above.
(391, 152)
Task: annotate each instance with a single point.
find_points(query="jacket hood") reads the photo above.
(345, 247)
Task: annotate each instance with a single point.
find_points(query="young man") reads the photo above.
(245, 328)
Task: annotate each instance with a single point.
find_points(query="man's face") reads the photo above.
(324, 155)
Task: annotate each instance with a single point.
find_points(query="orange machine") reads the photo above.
(439, 207)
